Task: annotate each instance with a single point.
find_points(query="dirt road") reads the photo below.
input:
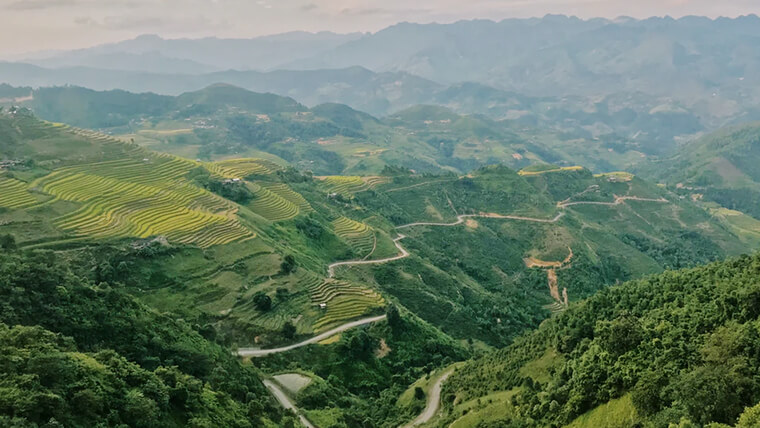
(461, 219)
(433, 401)
(403, 254)
(618, 200)
(284, 400)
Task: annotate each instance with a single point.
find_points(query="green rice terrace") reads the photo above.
(349, 185)
(15, 194)
(242, 168)
(360, 237)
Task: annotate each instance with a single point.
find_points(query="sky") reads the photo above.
(38, 25)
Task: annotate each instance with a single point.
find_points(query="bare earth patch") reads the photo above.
(472, 224)
(553, 288)
(383, 350)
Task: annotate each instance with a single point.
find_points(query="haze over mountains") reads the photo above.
(702, 68)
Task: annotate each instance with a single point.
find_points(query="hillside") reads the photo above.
(81, 353)
(254, 254)
(719, 171)
(676, 347)
(636, 121)
(223, 121)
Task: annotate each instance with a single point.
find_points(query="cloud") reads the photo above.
(309, 7)
(379, 11)
(23, 5)
(149, 23)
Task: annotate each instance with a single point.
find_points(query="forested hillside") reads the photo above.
(676, 347)
(78, 353)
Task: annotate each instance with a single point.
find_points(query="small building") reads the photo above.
(323, 306)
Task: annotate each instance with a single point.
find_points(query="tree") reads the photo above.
(750, 418)
(646, 396)
(288, 264)
(288, 330)
(282, 294)
(262, 301)
(394, 317)
(7, 242)
(419, 393)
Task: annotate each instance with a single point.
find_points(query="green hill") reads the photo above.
(223, 121)
(719, 170)
(243, 251)
(665, 349)
(80, 354)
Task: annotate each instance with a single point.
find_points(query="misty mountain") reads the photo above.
(562, 55)
(198, 55)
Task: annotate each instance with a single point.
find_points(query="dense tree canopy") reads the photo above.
(684, 345)
(82, 355)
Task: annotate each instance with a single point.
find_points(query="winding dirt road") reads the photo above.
(285, 402)
(255, 352)
(403, 254)
(461, 219)
(618, 200)
(433, 401)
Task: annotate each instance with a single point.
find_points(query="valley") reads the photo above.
(278, 264)
(545, 222)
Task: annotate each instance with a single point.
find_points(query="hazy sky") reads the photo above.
(30, 25)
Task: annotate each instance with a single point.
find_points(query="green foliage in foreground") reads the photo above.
(359, 386)
(81, 355)
(684, 344)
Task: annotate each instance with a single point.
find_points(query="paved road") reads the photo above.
(286, 403)
(255, 352)
(433, 401)
(403, 254)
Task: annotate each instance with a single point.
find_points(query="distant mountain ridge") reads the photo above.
(657, 82)
(200, 55)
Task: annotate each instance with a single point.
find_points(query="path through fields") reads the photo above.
(433, 401)
(285, 402)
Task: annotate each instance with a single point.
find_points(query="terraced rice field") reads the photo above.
(528, 173)
(242, 168)
(285, 192)
(374, 181)
(344, 301)
(14, 194)
(276, 205)
(141, 197)
(359, 236)
(344, 185)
